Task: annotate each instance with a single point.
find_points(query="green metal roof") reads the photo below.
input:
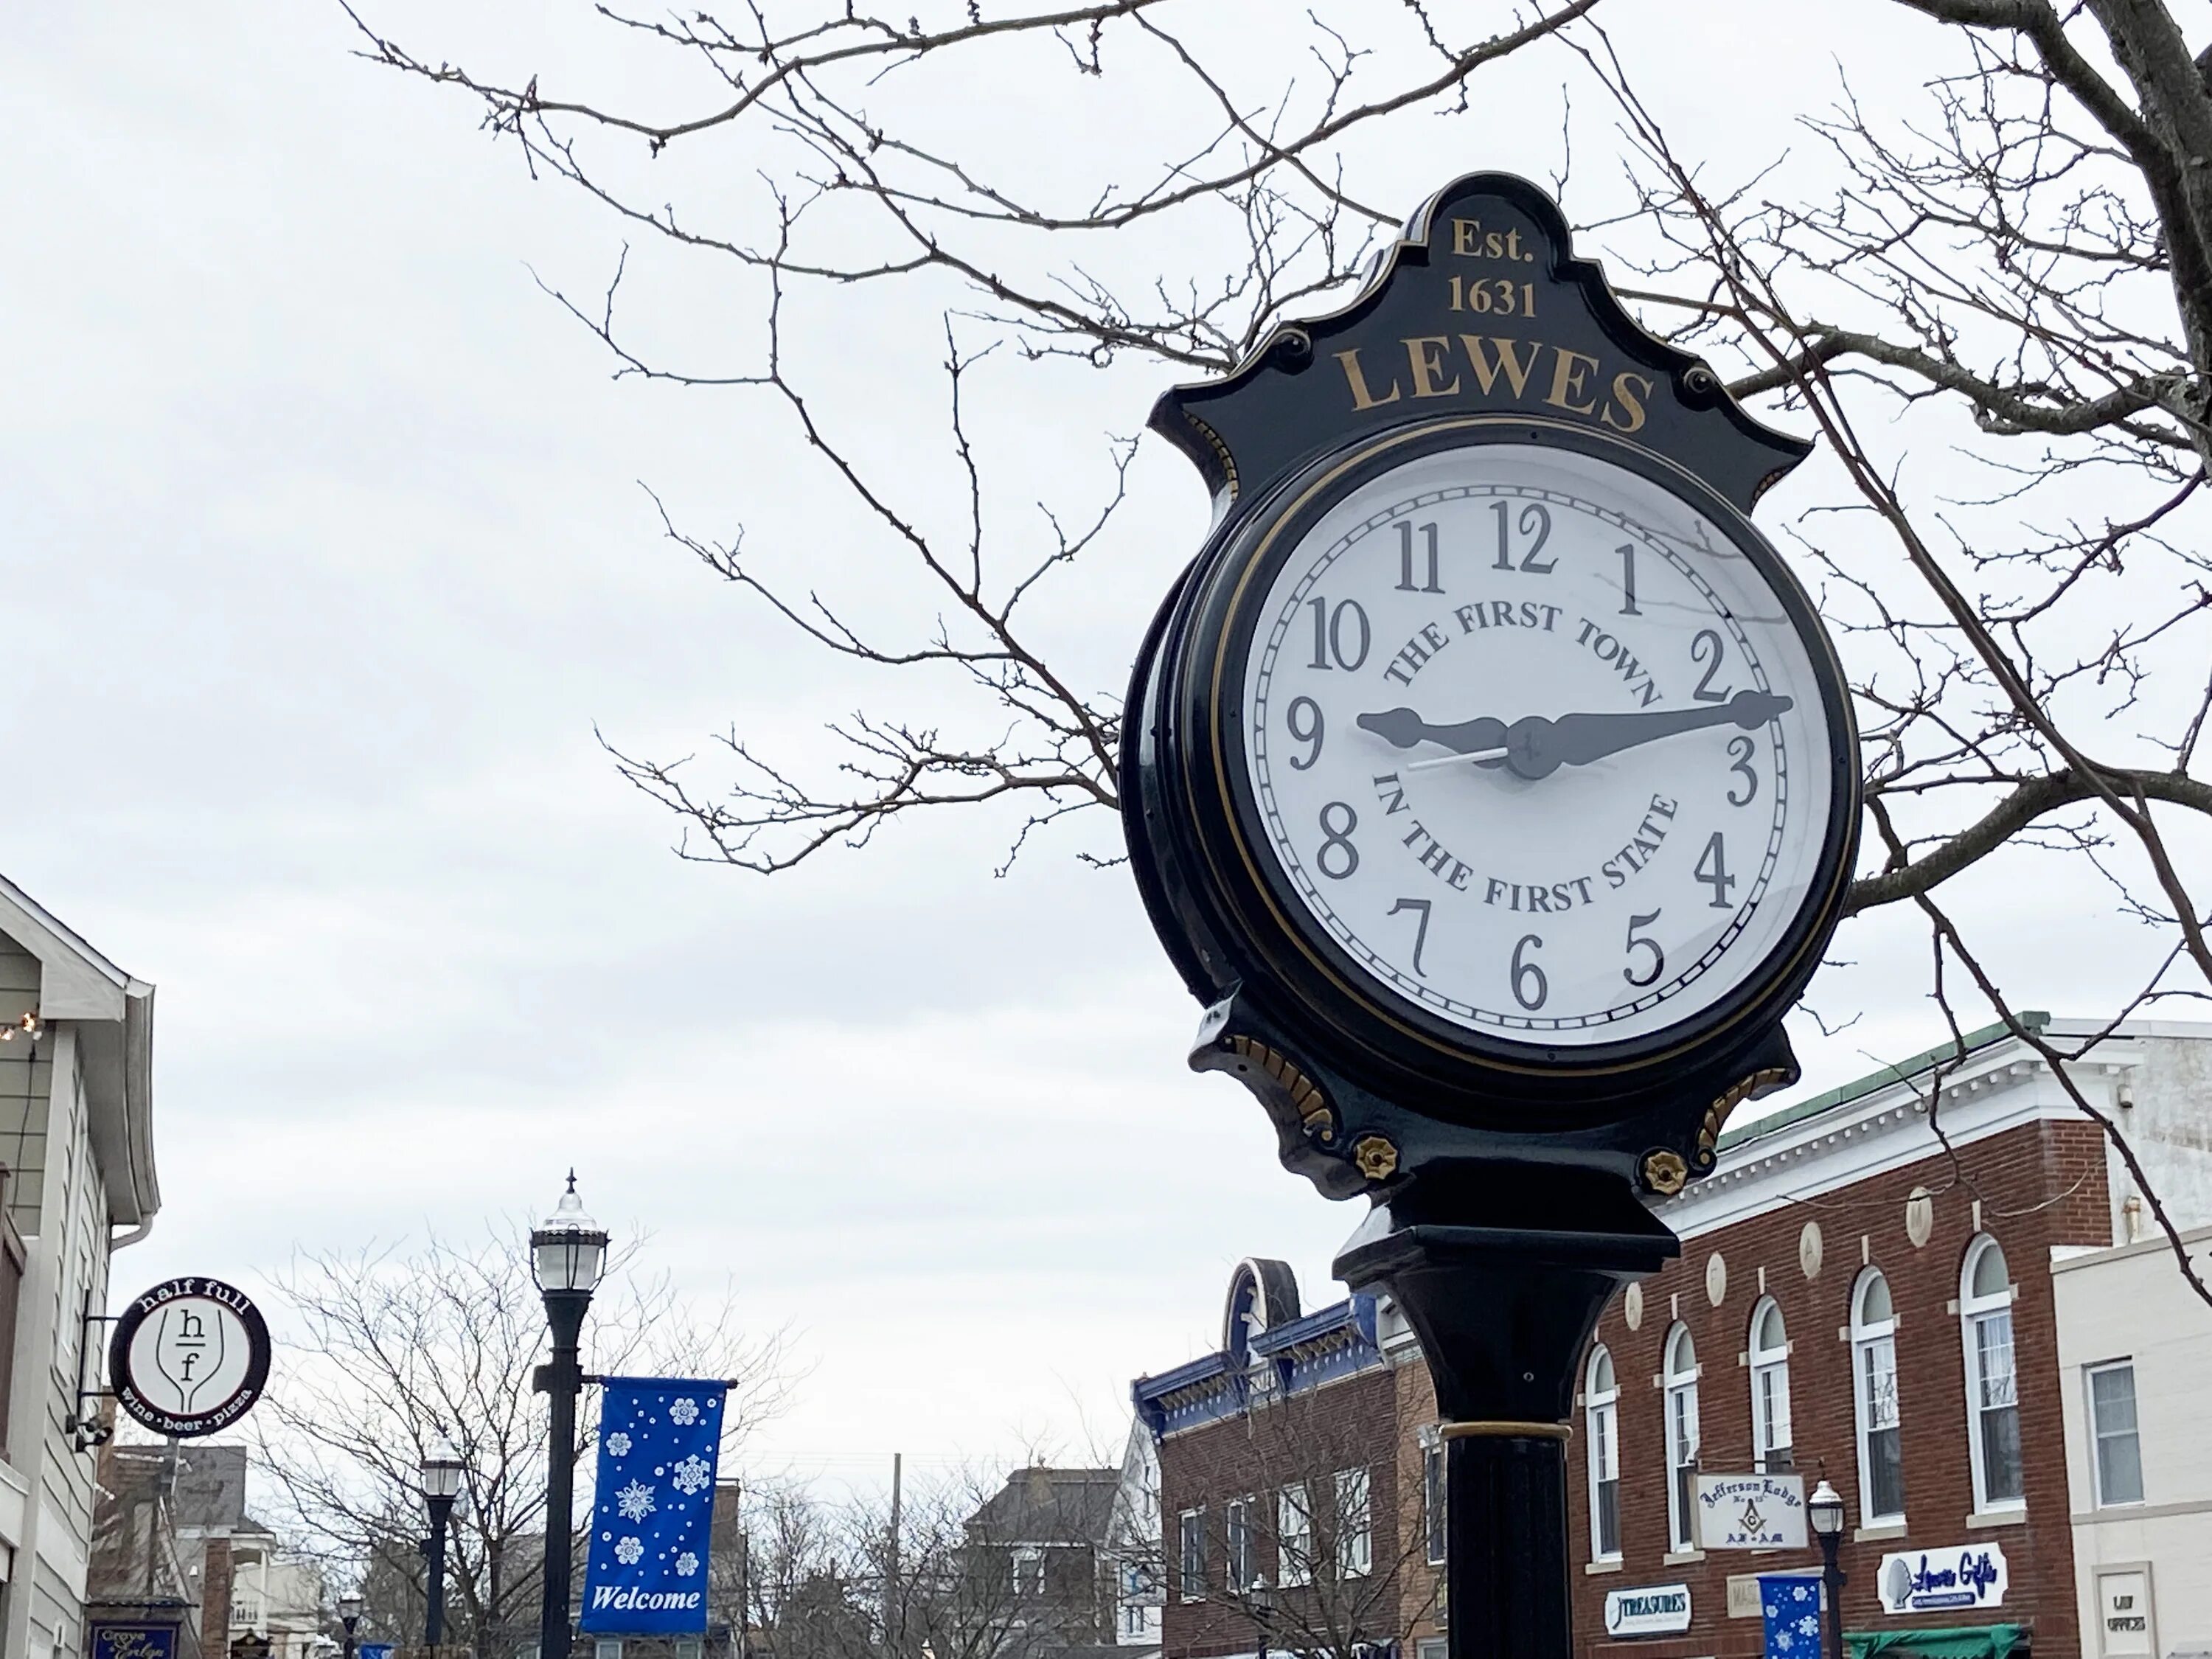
(1899, 1072)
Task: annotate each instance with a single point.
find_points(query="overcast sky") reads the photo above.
(322, 552)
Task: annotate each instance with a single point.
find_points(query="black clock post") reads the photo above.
(1510, 1154)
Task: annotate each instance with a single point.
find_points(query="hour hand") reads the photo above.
(1403, 729)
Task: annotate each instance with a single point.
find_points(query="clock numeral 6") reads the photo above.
(1338, 841)
(1530, 987)
(1315, 727)
(1335, 642)
(1637, 943)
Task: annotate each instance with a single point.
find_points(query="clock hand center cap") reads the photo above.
(1529, 752)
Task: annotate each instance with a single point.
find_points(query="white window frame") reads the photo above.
(1769, 1385)
(1601, 1426)
(2090, 1374)
(1190, 1586)
(1680, 1427)
(1435, 1500)
(1028, 1572)
(1294, 1534)
(1355, 1523)
(1239, 1564)
(1869, 1340)
(607, 1647)
(1974, 1312)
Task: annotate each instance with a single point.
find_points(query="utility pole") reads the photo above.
(894, 1592)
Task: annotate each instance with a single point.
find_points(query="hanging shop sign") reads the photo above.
(1489, 777)
(133, 1641)
(1655, 1610)
(189, 1358)
(1936, 1581)
(1751, 1511)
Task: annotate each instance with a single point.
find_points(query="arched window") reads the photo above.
(1874, 1371)
(1770, 1389)
(1681, 1382)
(1601, 1411)
(1992, 1398)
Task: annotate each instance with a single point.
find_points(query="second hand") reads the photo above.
(1454, 760)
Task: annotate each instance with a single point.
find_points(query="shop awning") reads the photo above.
(1960, 1642)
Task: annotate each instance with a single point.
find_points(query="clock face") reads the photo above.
(1536, 743)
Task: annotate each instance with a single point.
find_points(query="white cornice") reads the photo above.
(1996, 1089)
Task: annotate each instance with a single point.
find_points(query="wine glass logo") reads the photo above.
(188, 1346)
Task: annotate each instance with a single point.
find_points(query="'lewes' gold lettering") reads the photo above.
(1501, 366)
(1425, 355)
(1357, 379)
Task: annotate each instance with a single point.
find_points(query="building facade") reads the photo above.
(77, 1146)
(2135, 1352)
(1938, 1288)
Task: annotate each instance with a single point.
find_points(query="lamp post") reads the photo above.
(349, 1616)
(442, 1484)
(1824, 1512)
(1260, 1596)
(566, 1254)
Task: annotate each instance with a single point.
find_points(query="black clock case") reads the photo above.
(1345, 1067)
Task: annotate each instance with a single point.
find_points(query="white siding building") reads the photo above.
(76, 1142)
(2135, 1350)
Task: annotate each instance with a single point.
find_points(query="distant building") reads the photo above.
(77, 1145)
(1037, 1557)
(1132, 1546)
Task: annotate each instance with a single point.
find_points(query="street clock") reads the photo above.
(1488, 775)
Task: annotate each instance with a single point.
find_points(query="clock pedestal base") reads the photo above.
(1504, 1304)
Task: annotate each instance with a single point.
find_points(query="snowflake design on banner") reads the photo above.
(1809, 1624)
(686, 1565)
(634, 1502)
(683, 1410)
(619, 1445)
(1782, 1641)
(629, 1551)
(690, 1475)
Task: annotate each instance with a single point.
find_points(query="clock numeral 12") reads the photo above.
(1712, 869)
(1405, 559)
(1535, 521)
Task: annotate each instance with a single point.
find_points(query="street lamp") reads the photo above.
(442, 1484)
(1260, 1597)
(1824, 1510)
(349, 1616)
(566, 1254)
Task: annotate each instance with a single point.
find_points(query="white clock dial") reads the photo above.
(1536, 744)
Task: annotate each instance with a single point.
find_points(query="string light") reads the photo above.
(27, 1026)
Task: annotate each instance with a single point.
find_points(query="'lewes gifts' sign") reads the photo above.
(1751, 1511)
(653, 1513)
(1940, 1581)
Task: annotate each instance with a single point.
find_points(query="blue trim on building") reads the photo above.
(1324, 1346)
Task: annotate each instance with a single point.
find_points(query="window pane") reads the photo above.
(1886, 1473)
(1771, 1336)
(1432, 1501)
(1601, 1373)
(1608, 1517)
(1990, 1278)
(1878, 1384)
(1874, 1301)
(2119, 1452)
(1681, 1352)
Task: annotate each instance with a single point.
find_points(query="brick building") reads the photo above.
(1866, 1293)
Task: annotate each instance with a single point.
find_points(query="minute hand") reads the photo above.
(1578, 740)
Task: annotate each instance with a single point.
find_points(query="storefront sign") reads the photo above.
(189, 1357)
(1655, 1610)
(134, 1641)
(1751, 1511)
(1933, 1581)
(2124, 1613)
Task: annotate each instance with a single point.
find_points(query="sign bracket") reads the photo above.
(87, 1430)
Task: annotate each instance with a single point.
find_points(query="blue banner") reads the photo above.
(1790, 1602)
(654, 1507)
(374, 1650)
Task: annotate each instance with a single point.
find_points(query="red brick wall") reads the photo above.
(1355, 1423)
(2039, 1186)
